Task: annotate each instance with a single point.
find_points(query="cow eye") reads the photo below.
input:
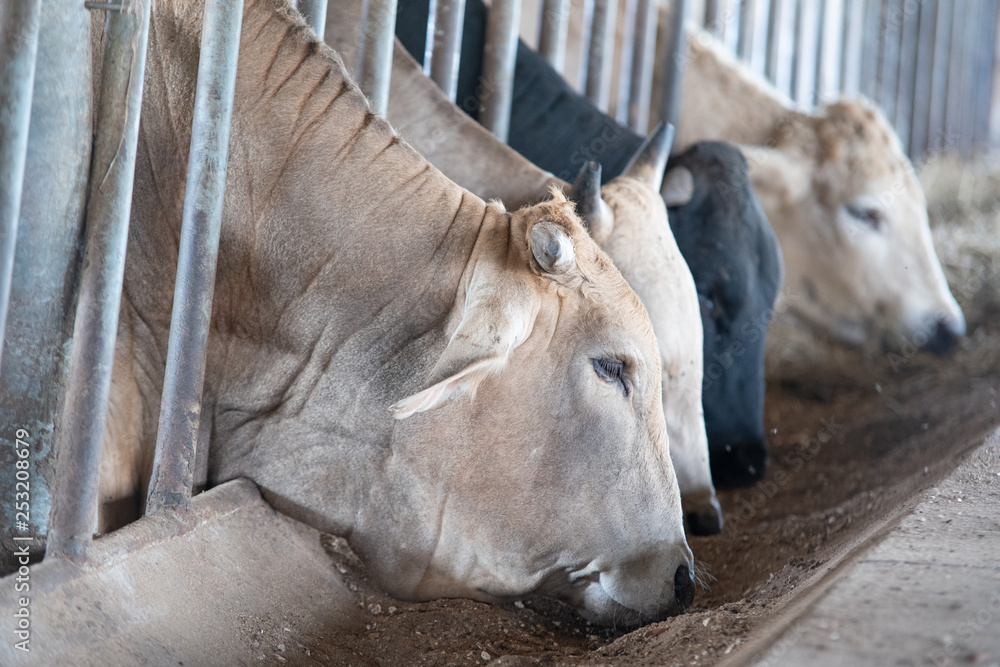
(613, 370)
(866, 215)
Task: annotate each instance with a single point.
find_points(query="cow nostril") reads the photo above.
(943, 337)
(684, 586)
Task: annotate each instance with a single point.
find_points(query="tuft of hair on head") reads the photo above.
(498, 203)
(557, 194)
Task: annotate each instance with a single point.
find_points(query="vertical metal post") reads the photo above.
(870, 49)
(19, 29)
(994, 100)
(744, 39)
(821, 43)
(377, 34)
(936, 132)
(647, 14)
(602, 39)
(586, 30)
(432, 7)
(773, 35)
(552, 40)
(973, 46)
(499, 54)
(909, 24)
(850, 59)
(673, 69)
(314, 12)
(954, 108)
(711, 21)
(46, 263)
(923, 72)
(81, 436)
(889, 69)
(625, 61)
(446, 52)
(984, 75)
(180, 407)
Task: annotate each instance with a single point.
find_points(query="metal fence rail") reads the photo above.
(930, 65)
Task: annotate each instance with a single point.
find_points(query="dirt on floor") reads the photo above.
(852, 445)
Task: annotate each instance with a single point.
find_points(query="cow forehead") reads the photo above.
(855, 137)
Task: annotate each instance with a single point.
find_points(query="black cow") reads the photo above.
(735, 260)
(722, 231)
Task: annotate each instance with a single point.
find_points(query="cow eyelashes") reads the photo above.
(869, 217)
(613, 370)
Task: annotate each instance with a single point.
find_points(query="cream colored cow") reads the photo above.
(470, 396)
(634, 231)
(843, 199)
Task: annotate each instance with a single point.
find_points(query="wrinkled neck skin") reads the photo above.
(711, 81)
(438, 129)
(314, 180)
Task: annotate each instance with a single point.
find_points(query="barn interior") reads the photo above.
(873, 537)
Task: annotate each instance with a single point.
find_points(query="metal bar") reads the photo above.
(972, 47)
(984, 76)
(711, 21)
(821, 42)
(850, 61)
(377, 34)
(81, 436)
(642, 65)
(923, 71)
(954, 107)
(673, 68)
(446, 52)
(625, 61)
(314, 12)
(499, 55)
(871, 51)
(18, 49)
(586, 30)
(906, 76)
(432, 7)
(602, 40)
(46, 263)
(180, 406)
(552, 40)
(889, 69)
(994, 102)
(936, 135)
(744, 39)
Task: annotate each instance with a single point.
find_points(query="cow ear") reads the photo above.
(499, 313)
(590, 206)
(777, 175)
(678, 187)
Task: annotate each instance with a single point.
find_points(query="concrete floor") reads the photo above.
(928, 594)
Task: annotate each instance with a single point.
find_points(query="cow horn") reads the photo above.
(593, 210)
(650, 160)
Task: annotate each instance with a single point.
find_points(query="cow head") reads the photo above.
(852, 220)
(736, 263)
(627, 217)
(534, 459)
